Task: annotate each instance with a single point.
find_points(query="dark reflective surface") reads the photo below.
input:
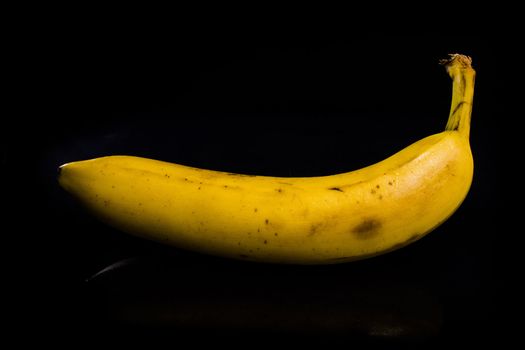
(194, 294)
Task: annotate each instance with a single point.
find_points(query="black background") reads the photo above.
(287, 104)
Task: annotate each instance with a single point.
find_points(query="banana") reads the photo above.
(296, 220)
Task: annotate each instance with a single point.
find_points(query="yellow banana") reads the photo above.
(302, 220)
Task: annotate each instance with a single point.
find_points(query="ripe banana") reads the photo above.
(301, 220)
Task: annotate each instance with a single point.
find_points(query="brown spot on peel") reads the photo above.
(367, 229)
(336, 189)
(313, 229)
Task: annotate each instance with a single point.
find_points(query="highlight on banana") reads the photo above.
(297, 220)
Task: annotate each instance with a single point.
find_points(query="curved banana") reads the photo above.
(308, 220)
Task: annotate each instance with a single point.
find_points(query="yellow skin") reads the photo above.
(308, 220)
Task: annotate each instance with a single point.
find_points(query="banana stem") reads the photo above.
(459, 67)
